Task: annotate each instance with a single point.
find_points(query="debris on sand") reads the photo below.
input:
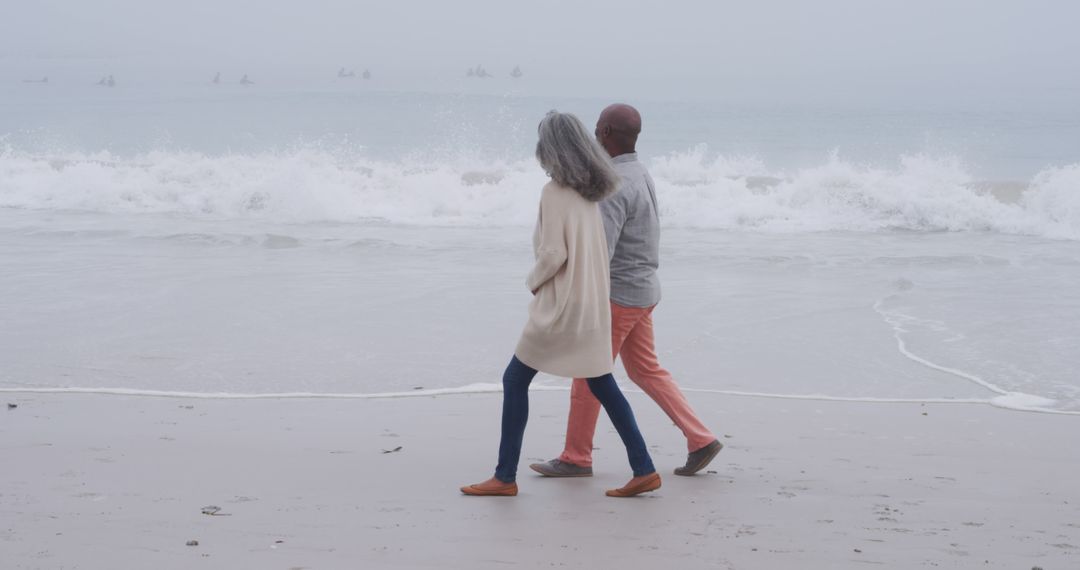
(395, 450)
(12, 406)
(192, 543)
(214, 511)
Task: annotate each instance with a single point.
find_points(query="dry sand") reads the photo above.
(91, 481)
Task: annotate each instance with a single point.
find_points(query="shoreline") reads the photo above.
(999, 401)
(93, 481)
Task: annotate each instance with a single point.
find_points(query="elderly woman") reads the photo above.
(569, 329)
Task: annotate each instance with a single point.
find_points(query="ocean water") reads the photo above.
(340, 240)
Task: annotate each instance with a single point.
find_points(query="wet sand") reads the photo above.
(92, 481)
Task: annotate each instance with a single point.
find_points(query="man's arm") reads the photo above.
(613, 210)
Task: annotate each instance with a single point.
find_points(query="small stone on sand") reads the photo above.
(192, 543)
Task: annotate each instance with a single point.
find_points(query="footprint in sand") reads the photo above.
(746, 530)
(886, 510)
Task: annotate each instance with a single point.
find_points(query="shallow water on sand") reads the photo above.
(173, 304)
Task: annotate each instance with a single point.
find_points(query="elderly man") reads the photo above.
(632, 224)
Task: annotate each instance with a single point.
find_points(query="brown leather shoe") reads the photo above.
(491, 488)
(637, 486)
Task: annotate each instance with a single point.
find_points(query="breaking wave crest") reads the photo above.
(918, 193)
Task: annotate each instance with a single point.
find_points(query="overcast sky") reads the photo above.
(819, 46)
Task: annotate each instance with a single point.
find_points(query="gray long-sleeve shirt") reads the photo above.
(632, 225)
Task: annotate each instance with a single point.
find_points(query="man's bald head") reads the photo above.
(618, 128)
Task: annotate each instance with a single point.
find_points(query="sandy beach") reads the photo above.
(105, 481)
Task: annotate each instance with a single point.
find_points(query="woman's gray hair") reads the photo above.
(573, 158)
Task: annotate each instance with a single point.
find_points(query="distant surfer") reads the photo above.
(111, 82)
(367, 74)
(217, 78)
(470, 73)
(343, 73)
(516, 73)
(245, 81)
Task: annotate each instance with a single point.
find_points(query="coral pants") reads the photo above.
(632, 339)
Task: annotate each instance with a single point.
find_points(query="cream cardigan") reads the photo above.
(569, 328)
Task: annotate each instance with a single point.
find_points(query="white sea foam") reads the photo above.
(478, 388)
(897, 320)
(1011, 401)
(697, 190)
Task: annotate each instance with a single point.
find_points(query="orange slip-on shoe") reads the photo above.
(641, 485)
(491, 488)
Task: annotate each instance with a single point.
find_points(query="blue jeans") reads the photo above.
(515, 415)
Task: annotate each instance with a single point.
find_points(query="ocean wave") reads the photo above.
(695, 189)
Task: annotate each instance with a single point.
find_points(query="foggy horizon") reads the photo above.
(836, 48)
